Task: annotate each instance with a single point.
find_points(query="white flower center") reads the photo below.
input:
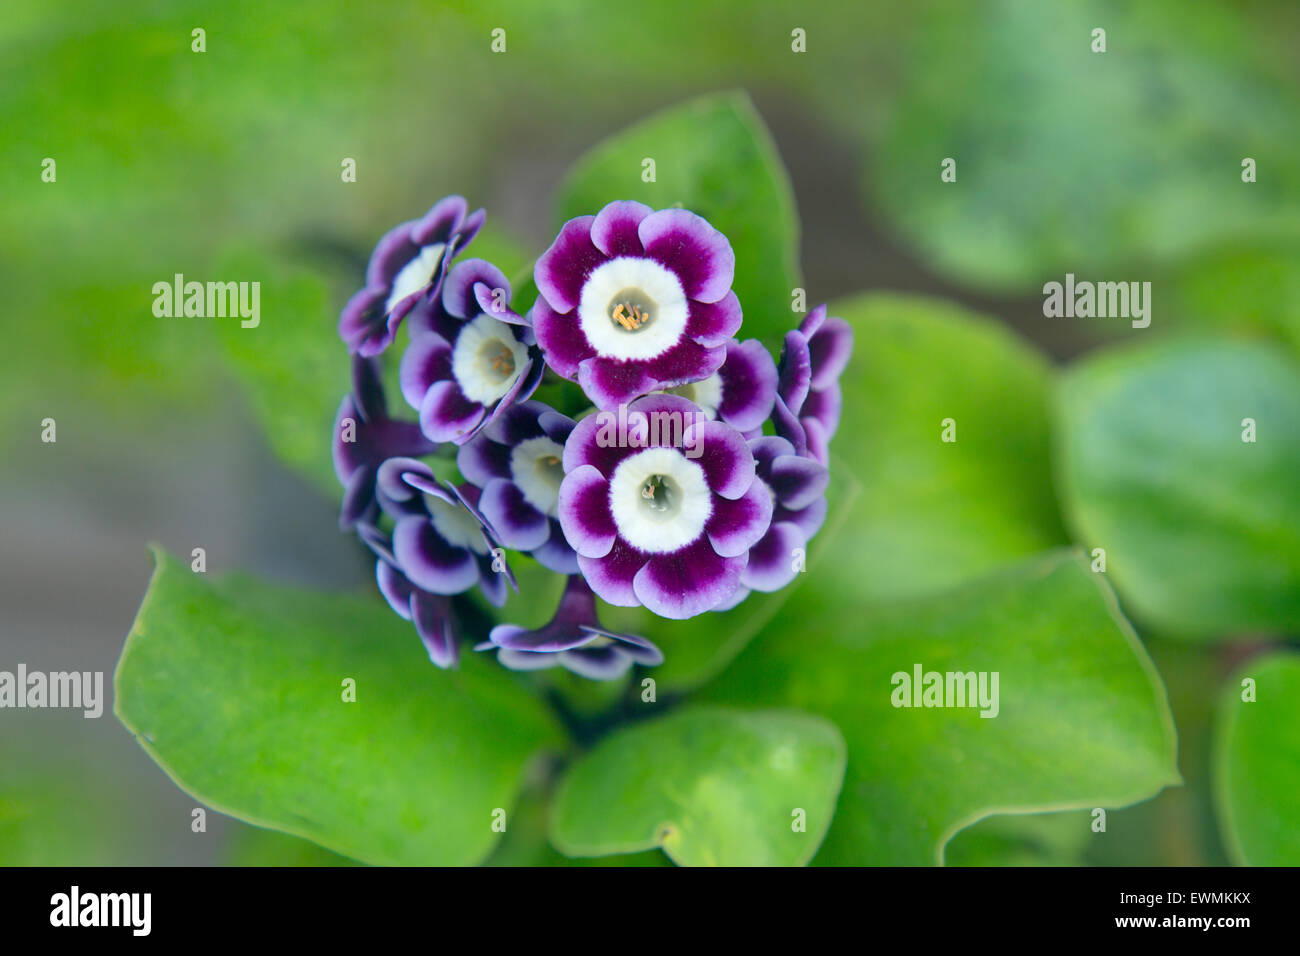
(632, 308)
(706, 393)
(486, 359)
(660, 500)
(535, 468)
(456, 525)
(416, 274)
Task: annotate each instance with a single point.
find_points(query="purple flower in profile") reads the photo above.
(440, 542)
(408, 264)
(430, 613)
(633, 301)
(573, 640)
(798, 488)
(808, 401)
(517, 461)
(741, 392)
(364, 437)
(470, 357)
(661, 507)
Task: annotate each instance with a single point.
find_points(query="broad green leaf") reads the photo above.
(931, 513)
(236, 688)
(1257, 763)
(711, 786)
(1026, 839)
(1201, 528)
(1082, 718)
(714, 157)
(253, 846)
(1094, 163)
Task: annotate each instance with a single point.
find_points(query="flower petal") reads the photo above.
(447, 415)
(796, 371)
(518, 525)
(585, 514)
(433, 622)
(562, 269)
(614, 230)
(611, 576)
(725, 457)
(610, 383)
(772, 560)
(427, 360)
(430, 562)
(561, 338)
(830, 349)
(699, 254)
(687, 582)
(797, 481)
(748, 385)
(458, 296)
(714, 323)
(736, 525)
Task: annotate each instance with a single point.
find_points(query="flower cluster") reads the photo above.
(698, 476)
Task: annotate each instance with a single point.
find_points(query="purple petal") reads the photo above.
(395, 588)
(824, 405)
(714, 323)
(830, 349)
(797, 481)
(611, 576)
(394, 249)
(458, 296)
(363, 327)
(482, 460)
(796, 371)
(736, 525)
(517, 524)
(523, 660)
(556, 554)
(584, 512)
(610, 383)
(788, 426)
(441, 221)
(687, 361)
(748, 385)
(430, 562)
(596, 663)
(725, 457)
(687, 582)
(433, 623)
(699, 254)
(595, 441)
(427, 360)
(447, 415)
(561, 338)
(771, 561)
(614, 230)
(563, 269)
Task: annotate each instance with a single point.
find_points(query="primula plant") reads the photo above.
(672, 563)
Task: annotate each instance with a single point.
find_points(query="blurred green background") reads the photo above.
(226, 163)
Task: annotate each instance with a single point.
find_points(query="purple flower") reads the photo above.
(441, 542)
(633, 301)
(741, 392)
(470, 357)
(808, 401)
(364, 436)
(408, 263)
(661, 507)
(517, 462)
(431, 613)
(573, 640)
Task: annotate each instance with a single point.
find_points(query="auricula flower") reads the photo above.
(663, 510)
(441, 543)
(364, 437)
(633, 301)
(808, 402)
(573, 639)
(741, 392)
(430, 613)
(470, 357)
(517, 461)
(408, 265)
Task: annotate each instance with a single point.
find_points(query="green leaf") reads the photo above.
(932, 513)
(710, 786)
(253, 846)
(1082, 718)
(1201, 529)
(1026, 839)
(1257, 763)
(235, 688)
(714, 157)
(1093, 163)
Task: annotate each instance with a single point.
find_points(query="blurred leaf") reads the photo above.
(1027, 839)
(1201, 529)
(1254, 286)
(714, 157)
(253, 846)
(1073, 160)
(932, 513)
(235, 688)
(1082, 721)
(1257, 757)
(712, 787)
